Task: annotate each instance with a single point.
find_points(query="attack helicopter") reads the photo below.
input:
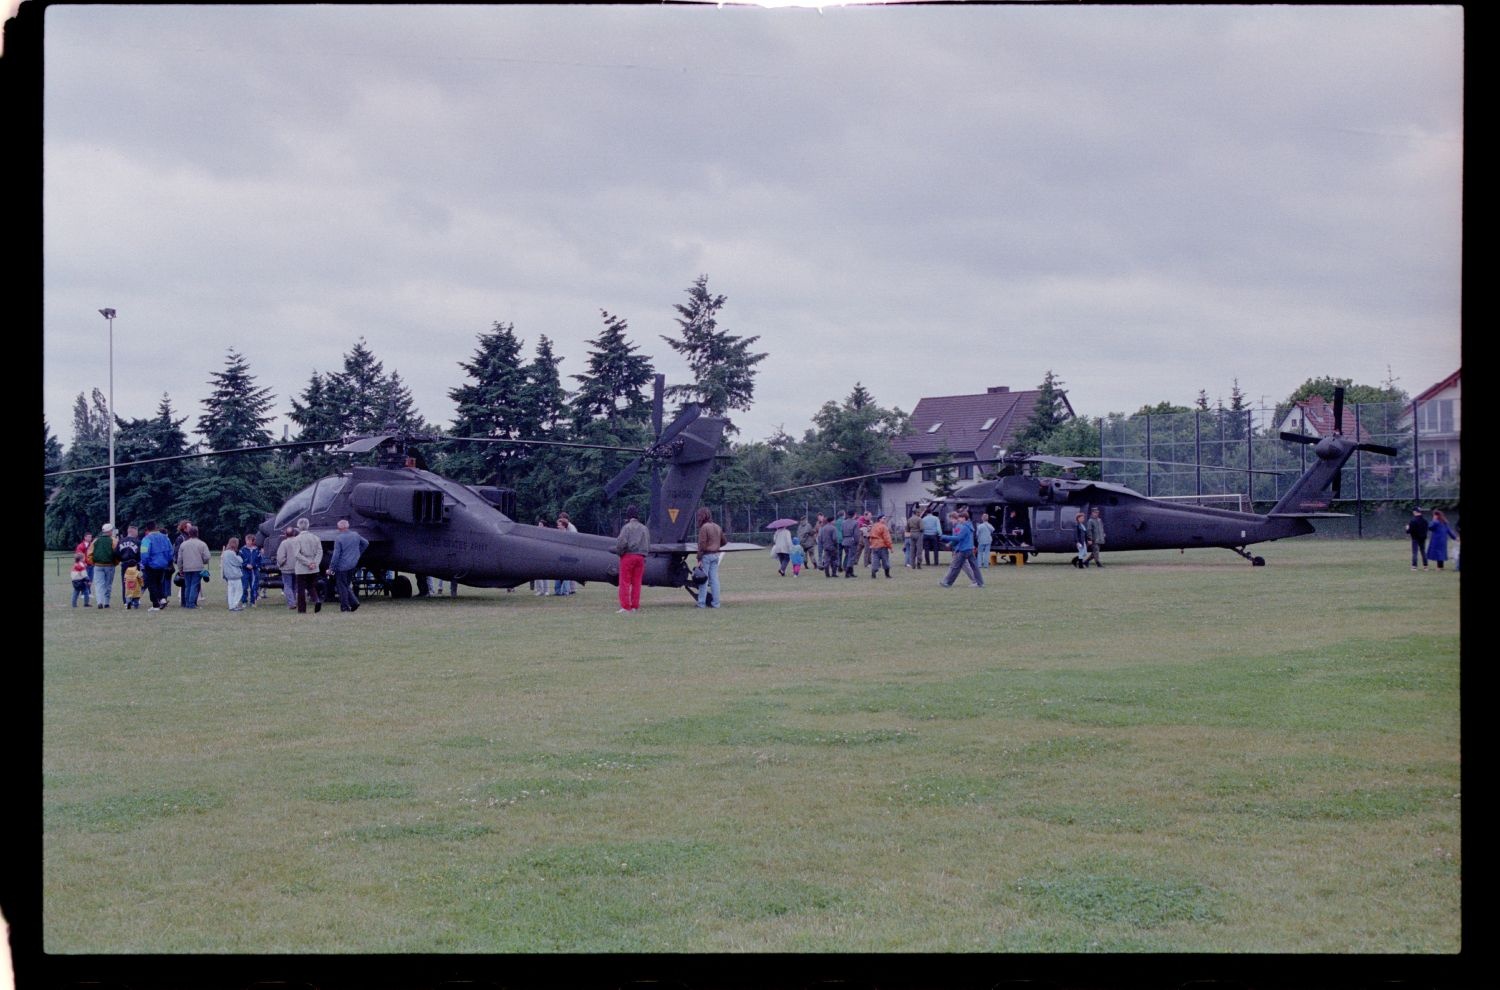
(1047, 507)
(420, 522)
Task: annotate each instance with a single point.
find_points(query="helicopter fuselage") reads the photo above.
(1132, 521)
(423, 523)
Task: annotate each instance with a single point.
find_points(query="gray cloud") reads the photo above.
(1147, 200)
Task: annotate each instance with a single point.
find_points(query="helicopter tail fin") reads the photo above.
(675, 501)
(1314, 492)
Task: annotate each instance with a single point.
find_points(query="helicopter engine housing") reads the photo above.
(399, 503)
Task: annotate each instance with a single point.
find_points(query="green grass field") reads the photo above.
(1178, 753)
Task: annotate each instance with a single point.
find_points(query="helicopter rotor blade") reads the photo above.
(547, 443)
(690, 412)
(656, 404)
(1338, 413)
(1379, 448)
(612, 488)
(654, 453)
(1298, 438)
(259, 449)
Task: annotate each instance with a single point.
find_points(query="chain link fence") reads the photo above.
(1218, 452)
(1206, 453)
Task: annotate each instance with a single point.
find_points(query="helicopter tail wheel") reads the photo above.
(401, 586)
(1258, 561)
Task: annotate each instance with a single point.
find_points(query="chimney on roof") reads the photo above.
(993, 389)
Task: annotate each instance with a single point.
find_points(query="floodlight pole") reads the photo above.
(109, 315)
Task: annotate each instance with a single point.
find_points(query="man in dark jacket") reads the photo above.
(848, 525)
(1416, 528)
(828, 545)
(128, 553)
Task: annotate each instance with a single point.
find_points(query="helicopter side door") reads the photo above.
(1052, 528)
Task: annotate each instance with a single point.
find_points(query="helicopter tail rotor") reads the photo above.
(1336, 446)
(666, 448)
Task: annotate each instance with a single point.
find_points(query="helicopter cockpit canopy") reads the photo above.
(315, 498)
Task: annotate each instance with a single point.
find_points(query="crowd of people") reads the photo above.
(152, 564)
(851, 541)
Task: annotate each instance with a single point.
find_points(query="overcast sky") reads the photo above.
(1147, 201)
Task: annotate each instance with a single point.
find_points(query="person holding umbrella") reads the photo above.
(781, 544)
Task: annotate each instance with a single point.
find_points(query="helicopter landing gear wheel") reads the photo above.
(1258, 561)
(401, 586)
(693, 594)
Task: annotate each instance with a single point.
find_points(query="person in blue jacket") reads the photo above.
(1438, 535)
(250, 554)
(348, 546)
(961, 541)
(156, 562)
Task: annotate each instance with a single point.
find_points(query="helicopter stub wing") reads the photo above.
(1308, 515)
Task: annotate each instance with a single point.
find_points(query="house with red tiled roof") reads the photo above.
(967, 427)
(1435, 420)
(1313, 417)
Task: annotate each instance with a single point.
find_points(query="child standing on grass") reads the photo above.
(798, 559)
(80, 576)
(232, 570)
(132, 587)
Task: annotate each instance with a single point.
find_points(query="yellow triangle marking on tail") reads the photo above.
(672, 514)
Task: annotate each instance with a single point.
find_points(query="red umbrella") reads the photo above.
(782, 523)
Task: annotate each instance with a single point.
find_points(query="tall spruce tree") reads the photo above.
(360, 399)
(230, 495)
(722, 364)
(52, 455)
(490, 406)
(361, 390)
(1049, 412)
(614, 388)
(611, 406)
(80, 502)
(400, 409)
(152, 491)
(547, 479)
(317, 418)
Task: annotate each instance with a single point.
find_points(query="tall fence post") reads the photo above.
(1148, 455)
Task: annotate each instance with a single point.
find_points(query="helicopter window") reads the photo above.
(324, 492)
(295, 506)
